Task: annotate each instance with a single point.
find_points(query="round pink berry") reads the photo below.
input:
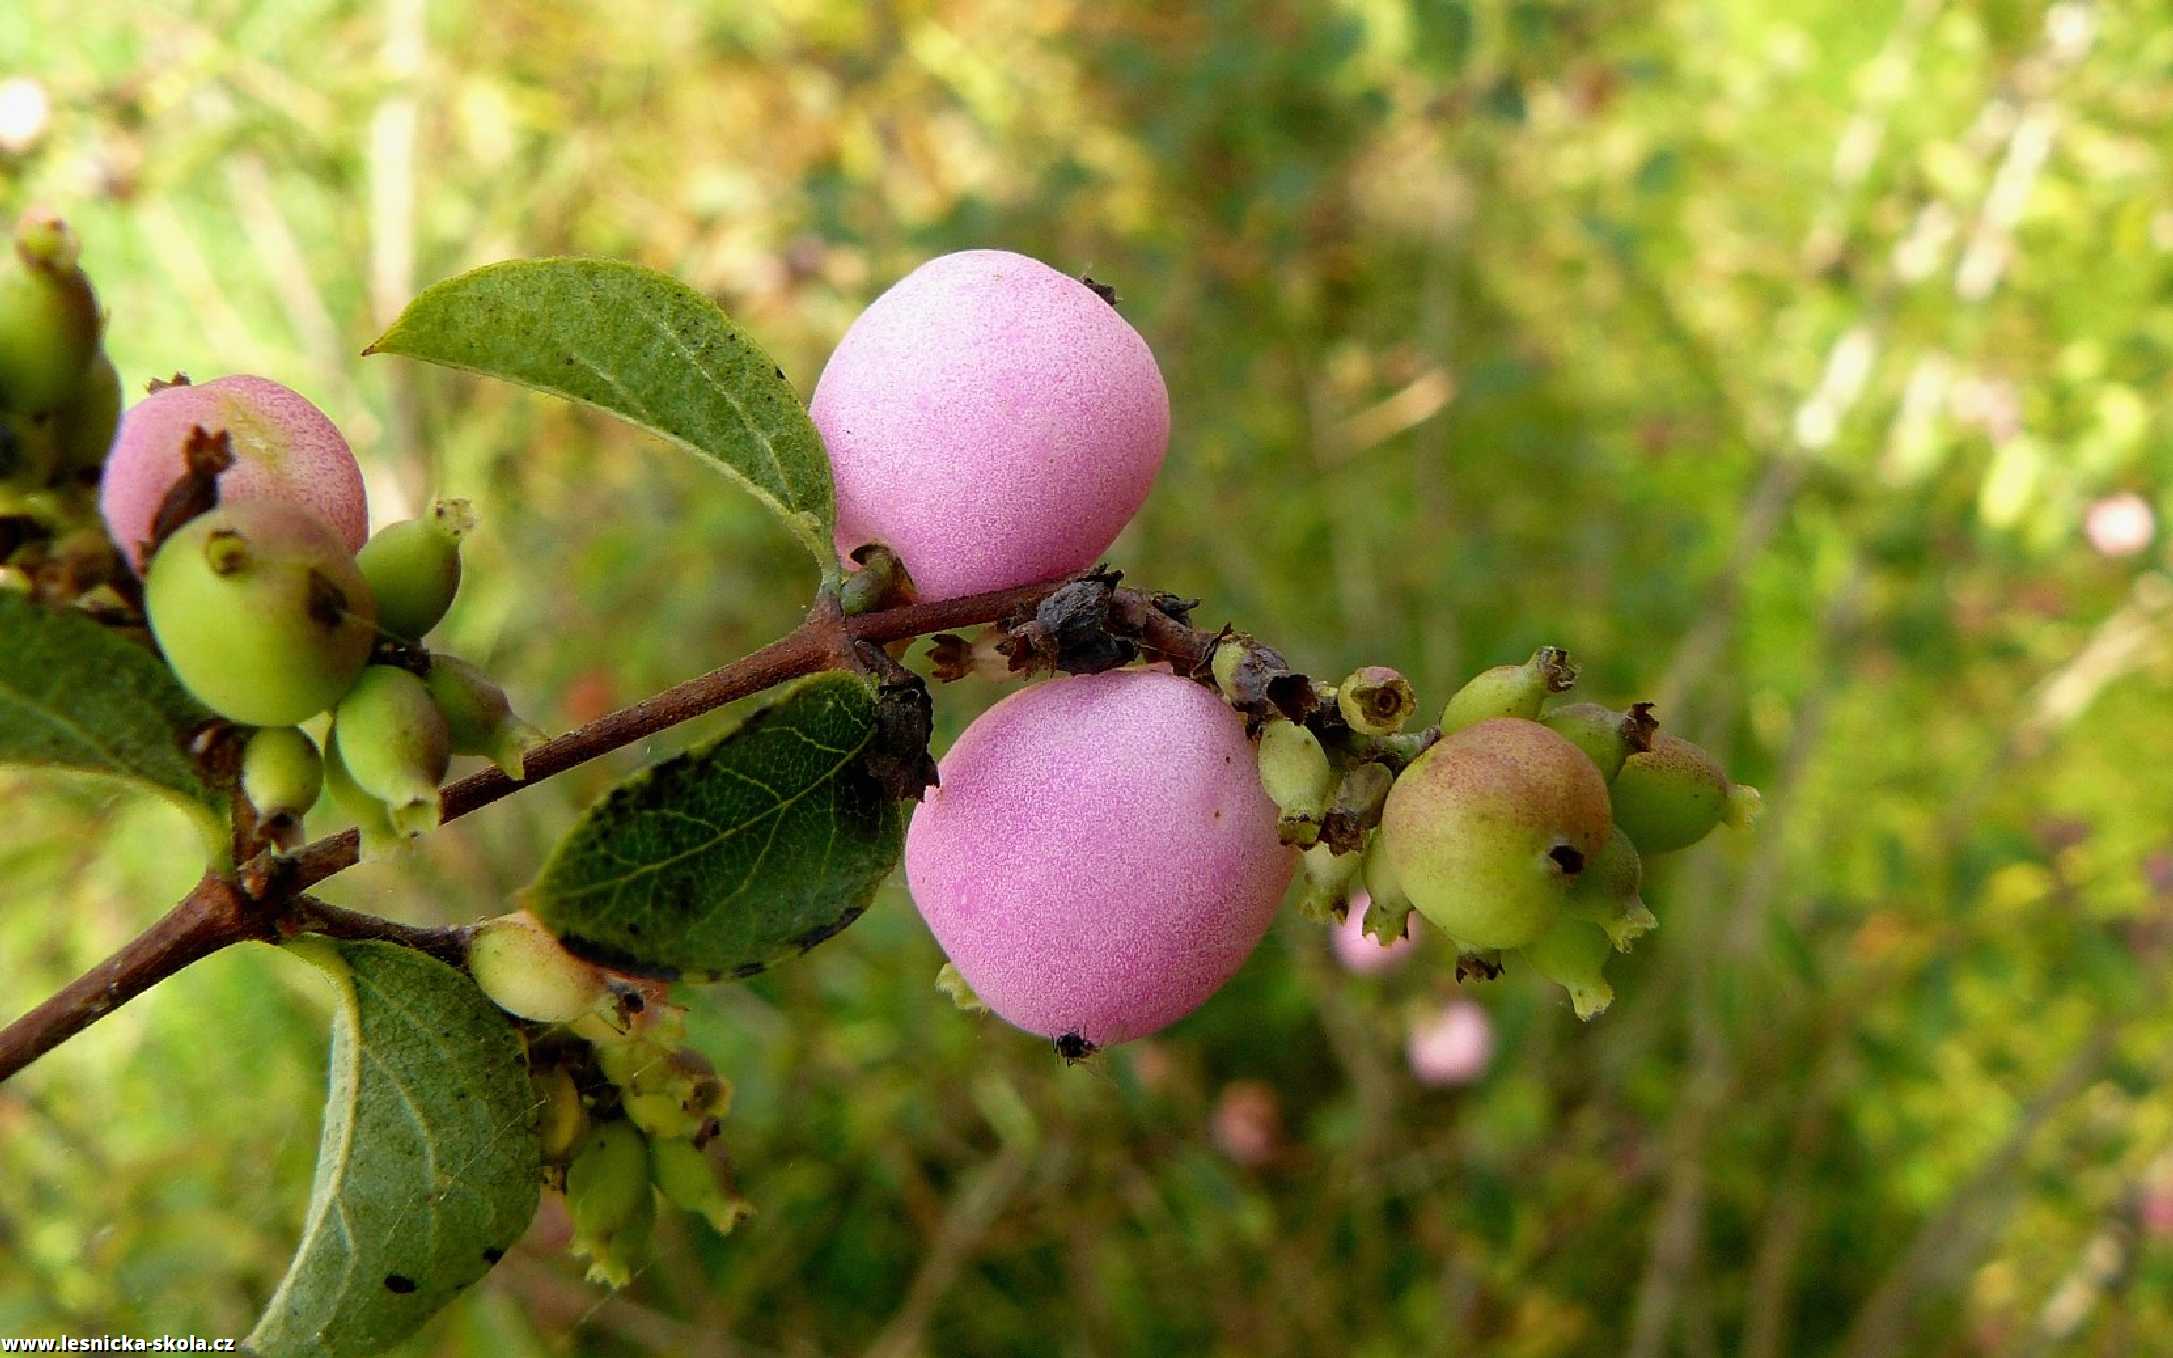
(1360, 951)
(1452, 1047)
(284, 449)
(1099, 856)
(993, 421)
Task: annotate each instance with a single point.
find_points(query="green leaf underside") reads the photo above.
(736, 854)
(645, 347)
(75, 696)
(429, 1168)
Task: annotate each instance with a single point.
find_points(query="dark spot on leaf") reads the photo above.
(747, 969)
(617, 959)
(780, 374)
(492, 1254)
(399, 1283)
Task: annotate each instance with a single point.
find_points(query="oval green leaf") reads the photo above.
(429, 1168)
(736, 854)
(76, 696)
(645, 347)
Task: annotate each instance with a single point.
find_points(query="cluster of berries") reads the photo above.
(60, 401)
(626, 1104)
(1102, 851)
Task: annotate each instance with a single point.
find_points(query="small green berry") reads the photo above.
(1670, 796)
(1329, 878)
(86, 425)
(1572, 954)
(564, 1121)
(261, 612)
(478, 717)
(691, 1181)
(281, 773)
(1376, 701)
(414, 568)
(1607, 893)
(1295, 772)
(1388, 905)
(372, 821)
(609, 1197)
(526, 972)
(49, 321)
(1606, 736)
(395, 744)
(1489, 830)
(1510, 690)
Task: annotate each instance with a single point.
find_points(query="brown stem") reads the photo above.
(267, 902)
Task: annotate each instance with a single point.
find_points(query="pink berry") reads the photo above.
(993, 421)
(1453, 1047)
(1360, 951)
(284, 449)
(1098, 857)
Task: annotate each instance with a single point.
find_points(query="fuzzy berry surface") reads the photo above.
(1098, 857)
(993, 421)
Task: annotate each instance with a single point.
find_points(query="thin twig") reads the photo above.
(267, 901)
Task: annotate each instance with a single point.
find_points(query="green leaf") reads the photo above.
(645, 347)
(76, 696)
(734, 855)
(430, 1166)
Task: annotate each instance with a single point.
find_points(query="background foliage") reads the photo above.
(1770, 357)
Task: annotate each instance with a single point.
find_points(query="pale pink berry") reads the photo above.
(993, 421)
(2120, 525)
(1360, 951)
(284, 449)
(1248, 1122)
(1098, 857)
(1452, 1047)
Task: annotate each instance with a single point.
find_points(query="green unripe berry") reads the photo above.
(86, 425)
(1489, 830)
(670, 1093)
(1295, 772)
(414, 568)
(395, 744)
(1670, 796)
(281, 773)
(1388, 905)
(1376, 701)
(1607, 893)
(608, 1195)
(564, 1121)
(372, 822)
(1329, 877)
(478, 717)
(1572, 954)
(1606, 736)
(48, 318)
(691, 1182)
(526, 972)
(261, 612)
(1510, 690)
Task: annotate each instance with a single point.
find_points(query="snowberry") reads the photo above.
(413, 567)
(1099, 856)
(1451, 1047)
(1488, 830)
(395, 745)
(284, 449)
(260, 611)
(1671, 796)
(992, 421)
(520, 965)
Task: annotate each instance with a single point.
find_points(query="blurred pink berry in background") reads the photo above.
(1360, 951)
(1452, 1047)
(1248, 1122)
(2120, 525)
(24, 112)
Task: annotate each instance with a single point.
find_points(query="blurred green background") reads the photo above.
(1802, 367)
